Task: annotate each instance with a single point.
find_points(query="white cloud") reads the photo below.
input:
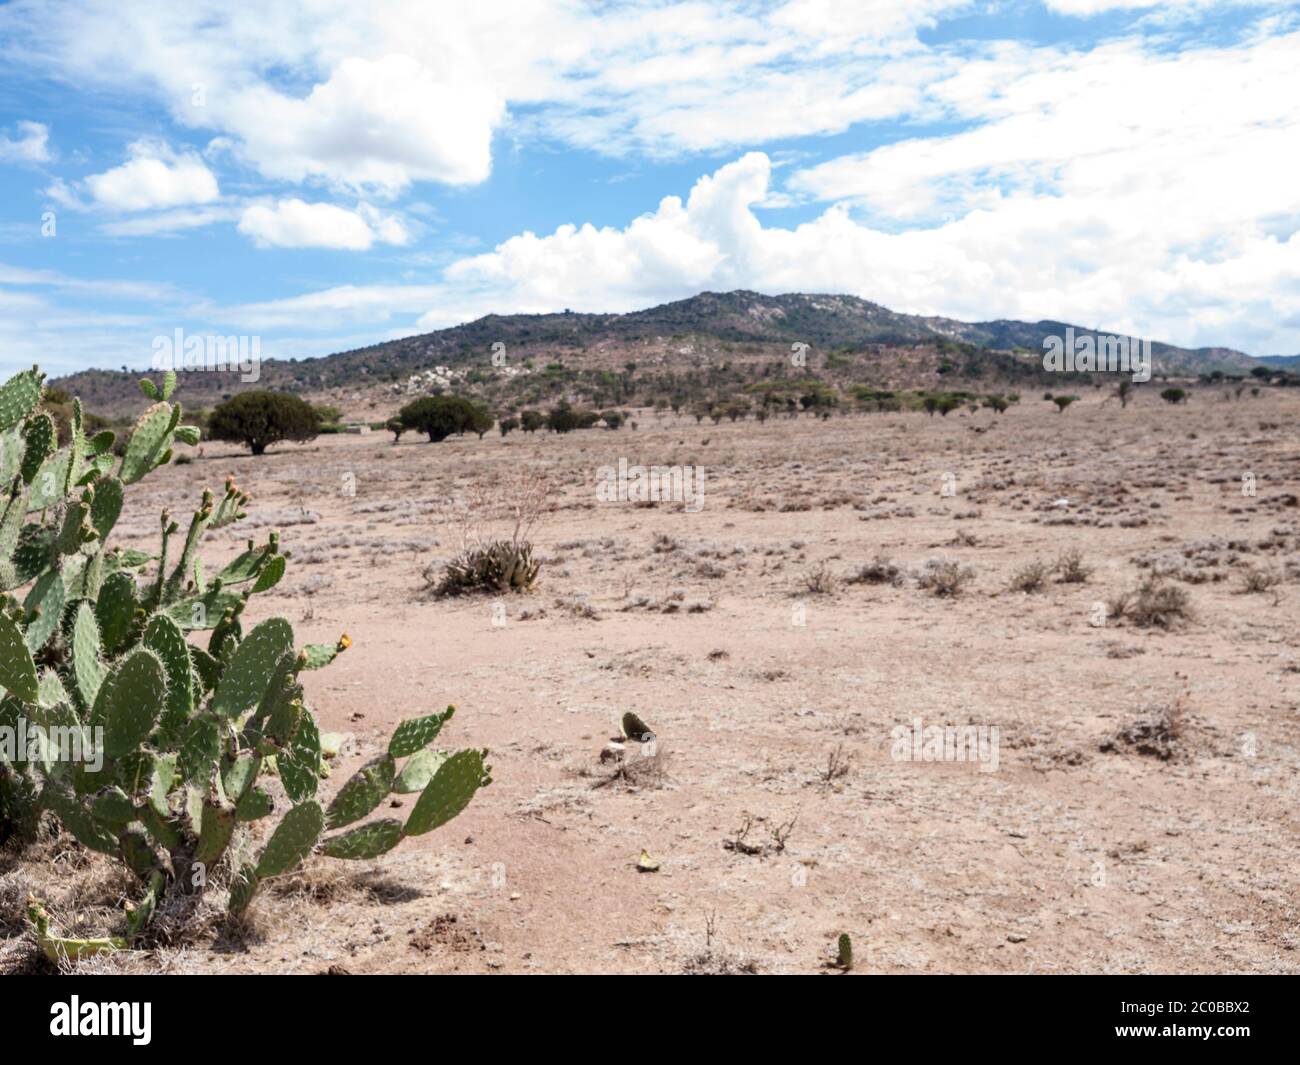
(165, 222)
(377, 124)
(154, 176)
(32, 144)
(371, 98)
(293, 223)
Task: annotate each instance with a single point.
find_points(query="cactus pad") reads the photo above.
(417, 732)
(130, 702)
(17, 670)
(246, 677)
(367, 788)
(448, 793)
(367, 841)
(292, 840)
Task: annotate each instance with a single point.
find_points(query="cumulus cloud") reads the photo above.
(1144, 266)
(32, 144)
(154, 176)
(293, 223)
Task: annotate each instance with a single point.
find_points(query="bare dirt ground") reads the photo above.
(775, 702)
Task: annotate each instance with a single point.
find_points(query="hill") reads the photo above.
(547, 355)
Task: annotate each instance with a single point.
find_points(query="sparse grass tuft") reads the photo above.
(1154, 604)
(880, 570)
(1257, 581)
(1031, 577)
(1071, 569)
(944, 578)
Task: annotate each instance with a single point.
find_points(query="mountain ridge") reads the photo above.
(690, 333)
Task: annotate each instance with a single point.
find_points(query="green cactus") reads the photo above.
(192, 736)
(844, 952)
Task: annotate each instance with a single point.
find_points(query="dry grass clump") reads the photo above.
(1071, 569)
(880, 570)
(1154, 604)
(1256, 581)
(1031, 577)
(944, 578)
(820, 581)
(1159, 732)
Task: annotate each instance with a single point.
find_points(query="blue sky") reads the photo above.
(329, 175)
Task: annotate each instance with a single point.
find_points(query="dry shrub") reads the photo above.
(1154, 604)
(1160, 732)
(1031, 577)
(492, 521)
(820, 581)
(1256, 581)
(944, 578)
(1071, 569)
(880, 570)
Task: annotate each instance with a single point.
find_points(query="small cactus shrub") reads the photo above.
(495, 568)
(154, 722)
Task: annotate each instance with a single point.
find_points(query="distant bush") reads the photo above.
(944, 578)
(1154, 605)
(880, 570)
(530, 421)
(1071, 569)
(1031, 577)
(563, 419)
(441, 416)
(1174, 395)
(507, 424)
(258, 419)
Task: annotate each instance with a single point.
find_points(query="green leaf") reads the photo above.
(448, 793)
(367, 788)
(149, 440)
(129, 702)
(250, 671)
(18, 397)
(292, 840)
(366, 841)
(417, 732)
(270, 575)
(418, 771)
(17, 670)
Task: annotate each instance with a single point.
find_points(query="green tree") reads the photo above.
(258, 419)
(531, 421)
(562, 419)
(439, 416)
(1174, 395)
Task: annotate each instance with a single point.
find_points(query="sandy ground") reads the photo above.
(774, 704)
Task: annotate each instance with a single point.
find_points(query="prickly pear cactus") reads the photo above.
(157, 726)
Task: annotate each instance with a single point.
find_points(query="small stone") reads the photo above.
(1016, 937)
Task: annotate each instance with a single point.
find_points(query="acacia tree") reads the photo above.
(439, 416)
(258, 419)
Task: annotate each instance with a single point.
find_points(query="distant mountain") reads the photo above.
(685, 335)
(1284, 362)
